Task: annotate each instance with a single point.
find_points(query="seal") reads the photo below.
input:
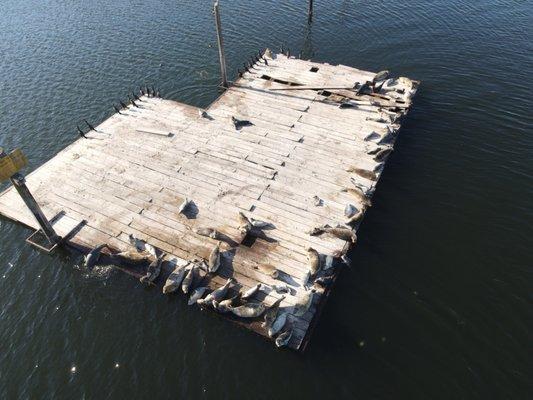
(188, 281)
(350, 210)
(304, 303)
(214, 260)
(313, 258)
(92, 258)
(278, 324)
(268, 270)
(364, 173)
(382, 154)
(244, 223)
(186, 202)
(355, 218)
(365, 201)
(225, 305)
(132, 256)
(217, 294)
(250, 292)
(196, 295)
(208, 232)
(281, 288)
(153, 271)
(272, 313)
(250, 310)
(342, 233)
(174, 280)
(329, 262)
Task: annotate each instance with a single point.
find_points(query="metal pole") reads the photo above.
(19, 183)
(310, 12)
(221, 55)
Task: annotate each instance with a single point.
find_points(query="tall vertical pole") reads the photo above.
(19, 183)
(221, 55)
(310, 12)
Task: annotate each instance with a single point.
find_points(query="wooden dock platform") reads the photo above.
(289, 166)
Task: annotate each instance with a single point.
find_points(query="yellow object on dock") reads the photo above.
(11, 163)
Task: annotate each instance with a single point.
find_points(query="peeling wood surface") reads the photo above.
(132, 174)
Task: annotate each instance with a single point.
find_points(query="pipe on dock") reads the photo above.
(221, 55)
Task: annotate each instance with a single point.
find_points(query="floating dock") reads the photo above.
(309, 145)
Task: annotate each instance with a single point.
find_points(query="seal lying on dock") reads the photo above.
(197, 295)
(250, 292)
(304, 304)
(272, 313)
(313, 259)
(188, 281)
(250, 310)
(365, 201)
(174, 279)
(244, 224)
(208, 232)
(278, 324)
(153, 271)
(214, 260)
(132, 257)
(217, 295)
(225, 305)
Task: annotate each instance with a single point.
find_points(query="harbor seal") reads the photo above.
(94, 255)
(132, 256)
(272, 313)
(197, 295)
(208, 232)
(365, 201)
(355, 218)
(304, 303)
(183, 206)
(364, 173)
(225, 306)
(278, 324)
(175, 278)
(350, 210)
(244, 223)
(382, 154)
(250, 292)
(217, 294)
(188, 280)
(313, 258)
(249, 310)
(268, 270)
(153, 271)
(329, 262)
(343, 233)
(256, 223)
(214, 260)
(281, 288)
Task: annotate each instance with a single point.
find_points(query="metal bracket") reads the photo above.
(39, 240)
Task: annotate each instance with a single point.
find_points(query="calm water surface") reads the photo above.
(437, 304)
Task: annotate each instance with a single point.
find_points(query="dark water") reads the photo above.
(438, 302)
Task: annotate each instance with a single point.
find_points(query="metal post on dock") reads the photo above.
(221, 54)
(310, 12)
(9, 167)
